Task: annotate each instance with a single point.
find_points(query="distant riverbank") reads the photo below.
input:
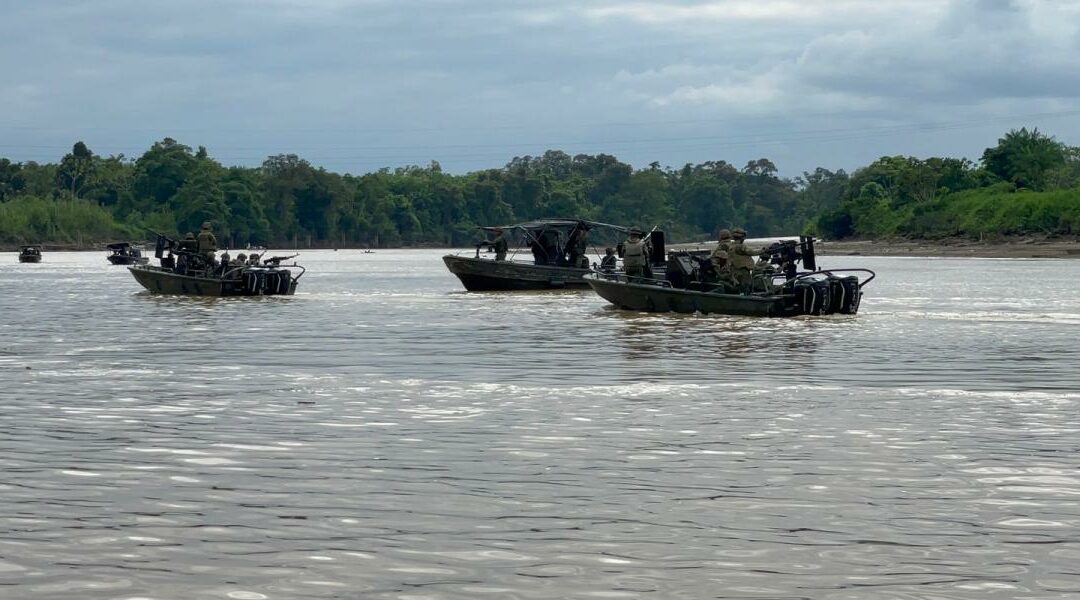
(1020, 247)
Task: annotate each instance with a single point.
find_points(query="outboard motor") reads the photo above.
(250, 279)
(284, 281)
(813, 296)
(680, 270)
(852, 295)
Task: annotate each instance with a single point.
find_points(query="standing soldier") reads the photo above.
(498, 244)
(207, 243)
(635, 254)
(741, 259)
(579, 246)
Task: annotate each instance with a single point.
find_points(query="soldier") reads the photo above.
(253, 260)
(635, 255)
(207, 243)
(723, 246)
(741, 259)
(578, 246)
(498, 244)
(607, 264)
(719, 272)
(189, 243)
(241, 260)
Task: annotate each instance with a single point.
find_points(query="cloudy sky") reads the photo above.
(355, 85)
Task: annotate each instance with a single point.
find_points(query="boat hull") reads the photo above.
(655, 298)
(161, 281)
(29, 259)
(483, 274)
(128, 260)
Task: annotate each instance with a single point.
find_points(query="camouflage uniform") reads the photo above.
(607, 265)
(723, 246)
(635, 255)
(579, 248)
(499, 245)
(207, 243)
(741, 260)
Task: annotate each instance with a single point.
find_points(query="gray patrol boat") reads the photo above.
(549, 243)
(184, 272)
(779, 288)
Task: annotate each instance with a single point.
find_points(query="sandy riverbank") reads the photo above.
(1020, 247)
(1028, 247)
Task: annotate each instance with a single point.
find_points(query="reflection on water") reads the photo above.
(383, 435)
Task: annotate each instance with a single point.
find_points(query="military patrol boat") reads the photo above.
(185, 272)
(30, 254)
(778, 289)
(124, 253)
(557, 247)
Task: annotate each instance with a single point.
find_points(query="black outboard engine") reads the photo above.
(680, 270)
(250, 280)
(845, 295)
(814, 297)
(284, 281)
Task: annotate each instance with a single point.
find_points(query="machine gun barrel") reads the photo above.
(276, 260)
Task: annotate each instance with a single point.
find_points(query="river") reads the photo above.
(385, 435)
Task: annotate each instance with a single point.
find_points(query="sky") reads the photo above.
(357, 85)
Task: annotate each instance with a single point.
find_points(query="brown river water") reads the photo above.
(385, 435)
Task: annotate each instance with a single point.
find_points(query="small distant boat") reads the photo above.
(548, 242)
(786, 292)
(185, 272)
(124, 253)
(30, 254)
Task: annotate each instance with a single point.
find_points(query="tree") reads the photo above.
(1024, 158)
(162, 170)
(76, 169)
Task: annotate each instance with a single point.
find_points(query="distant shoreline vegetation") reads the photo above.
(1028, 184)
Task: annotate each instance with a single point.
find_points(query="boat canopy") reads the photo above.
(118, 246)
(558, 224)
(32, 248)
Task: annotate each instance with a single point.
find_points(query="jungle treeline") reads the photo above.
(1029, 183)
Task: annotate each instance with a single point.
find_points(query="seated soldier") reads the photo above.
(607, 264)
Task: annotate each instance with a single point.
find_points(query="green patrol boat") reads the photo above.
(775, 292)
(30, 254)
(185, 272)
(558, 250)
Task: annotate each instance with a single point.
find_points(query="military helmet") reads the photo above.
(189, 236)
(739, 232)
(206, 225)
(609, 250)
(724, 234)
(241, 256)
(637, 232)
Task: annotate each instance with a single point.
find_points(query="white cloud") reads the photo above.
(516, 76)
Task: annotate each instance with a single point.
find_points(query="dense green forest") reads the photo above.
(1029, 183)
